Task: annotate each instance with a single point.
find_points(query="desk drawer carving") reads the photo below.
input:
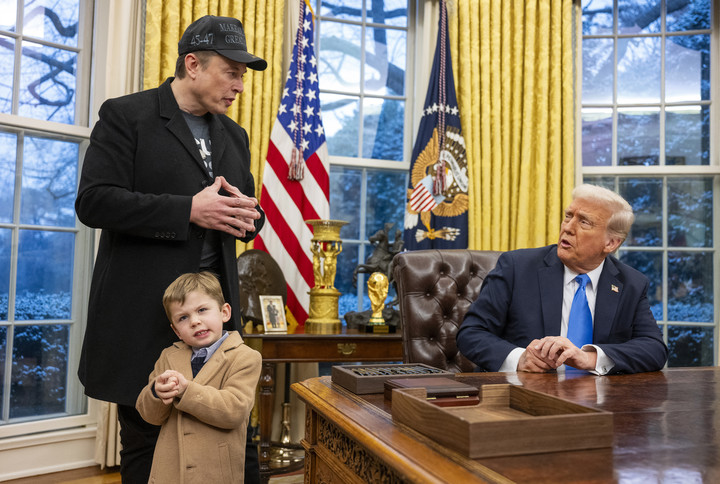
(346, 349)
(352, 457)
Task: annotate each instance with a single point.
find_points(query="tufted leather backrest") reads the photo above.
(435, 289)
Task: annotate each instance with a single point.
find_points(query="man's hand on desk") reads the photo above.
(532, 362)
(553, 351)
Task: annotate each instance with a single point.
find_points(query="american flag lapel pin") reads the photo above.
(613, 288)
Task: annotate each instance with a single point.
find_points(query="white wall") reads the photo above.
(48, 452)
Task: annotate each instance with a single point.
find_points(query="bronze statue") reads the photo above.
(379, 261)
(259, 274)
(382, 254)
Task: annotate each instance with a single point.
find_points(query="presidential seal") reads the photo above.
(449, 197)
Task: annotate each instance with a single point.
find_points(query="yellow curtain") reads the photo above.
(513, 63)
(263, 21)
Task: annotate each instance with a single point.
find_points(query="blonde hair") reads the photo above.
(178, 290)
(622, 218)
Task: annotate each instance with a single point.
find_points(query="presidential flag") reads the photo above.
(437, 196)
(296, 184)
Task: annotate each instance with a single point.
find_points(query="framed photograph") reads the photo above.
(273, 311)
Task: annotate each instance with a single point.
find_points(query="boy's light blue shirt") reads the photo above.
(212, 348)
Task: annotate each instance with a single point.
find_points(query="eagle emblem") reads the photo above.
(425, 198)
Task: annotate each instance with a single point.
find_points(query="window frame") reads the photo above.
(415, 82)
(21, 428)
(661, 171)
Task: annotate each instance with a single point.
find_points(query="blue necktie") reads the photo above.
(580, 327)
(198, 361)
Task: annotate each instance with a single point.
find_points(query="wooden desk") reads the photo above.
(350, 346)
(666, 428)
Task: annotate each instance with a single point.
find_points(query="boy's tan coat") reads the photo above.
(203, 434)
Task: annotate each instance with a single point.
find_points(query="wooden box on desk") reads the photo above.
(363, 379)
(509, 420)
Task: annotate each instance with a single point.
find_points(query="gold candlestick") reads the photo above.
(326, 245)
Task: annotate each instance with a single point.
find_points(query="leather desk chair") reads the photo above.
(435, 289)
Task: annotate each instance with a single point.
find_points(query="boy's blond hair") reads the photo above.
(178, 290)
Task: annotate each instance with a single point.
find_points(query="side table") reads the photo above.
(296, 347)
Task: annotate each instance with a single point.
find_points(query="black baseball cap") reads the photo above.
(224, 35)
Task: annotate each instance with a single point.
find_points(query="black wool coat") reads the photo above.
(139, 175)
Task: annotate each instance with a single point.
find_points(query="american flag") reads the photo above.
(296, 185)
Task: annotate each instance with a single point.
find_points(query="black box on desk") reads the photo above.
(443, 392)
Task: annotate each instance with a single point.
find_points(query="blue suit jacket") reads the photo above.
(521, 300)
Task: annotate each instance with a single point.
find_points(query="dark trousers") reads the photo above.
(138, 440)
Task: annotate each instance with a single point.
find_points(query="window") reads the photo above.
(362, 61)
(44, 86)
(648, 121)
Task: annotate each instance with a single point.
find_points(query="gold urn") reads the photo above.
(325, 247)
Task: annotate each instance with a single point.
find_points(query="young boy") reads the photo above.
(204, 417)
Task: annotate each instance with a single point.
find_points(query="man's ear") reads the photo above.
(175, 330)
(192, 65)
(226, 312)
(612, 244)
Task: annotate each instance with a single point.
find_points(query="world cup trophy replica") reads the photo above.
(325, 247)
(378, 286)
